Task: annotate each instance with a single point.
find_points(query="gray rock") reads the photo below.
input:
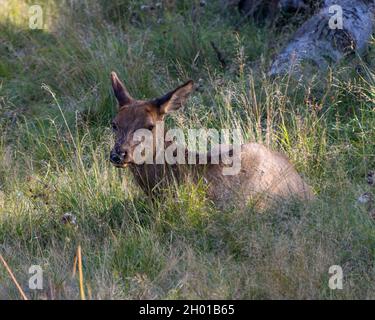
(319, 44)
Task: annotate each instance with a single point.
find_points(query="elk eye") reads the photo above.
(114, 126)
(151, 127)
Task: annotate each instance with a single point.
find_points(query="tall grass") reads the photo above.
(54, 159)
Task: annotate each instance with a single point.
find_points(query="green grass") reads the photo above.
(55, 108)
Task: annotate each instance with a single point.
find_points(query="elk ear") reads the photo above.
(175, 99)
(122, 95)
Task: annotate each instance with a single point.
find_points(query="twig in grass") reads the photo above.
(81, 288)
(219, 55)
(13, 278)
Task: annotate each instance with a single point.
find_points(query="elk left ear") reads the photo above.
(175, 99)
(122, 95)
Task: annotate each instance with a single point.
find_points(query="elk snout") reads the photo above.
(118, 156)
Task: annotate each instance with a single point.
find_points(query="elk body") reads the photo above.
(264, 175)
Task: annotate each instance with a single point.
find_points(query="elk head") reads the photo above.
(135, 114)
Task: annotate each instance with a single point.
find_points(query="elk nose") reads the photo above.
(117, 158)
(114, 157)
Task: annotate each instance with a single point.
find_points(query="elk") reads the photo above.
(264, 175)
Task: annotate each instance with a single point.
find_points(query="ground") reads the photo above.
(55, 109)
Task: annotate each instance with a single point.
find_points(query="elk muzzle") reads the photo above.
(119, 157)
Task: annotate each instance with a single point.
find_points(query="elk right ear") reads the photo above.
(122, 95)
(175, 99)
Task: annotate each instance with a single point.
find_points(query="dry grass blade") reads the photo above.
(24, 297)
(74, 266)
(81, 287)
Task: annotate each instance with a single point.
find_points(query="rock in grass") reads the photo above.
(371, 178)
(322, 41)
(69, 218)
(368, 200)
(365, 198)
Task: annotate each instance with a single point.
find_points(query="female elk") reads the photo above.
(264, 175)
